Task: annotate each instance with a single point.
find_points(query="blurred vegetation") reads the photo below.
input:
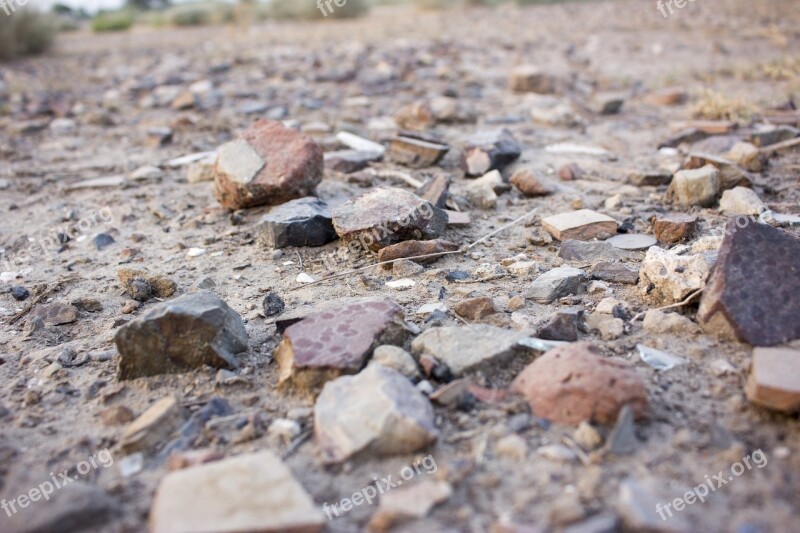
(120, 20)
(26, 32)
(309, 9)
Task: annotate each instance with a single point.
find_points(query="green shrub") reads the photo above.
(309, 9)
(113, 21)
(25, 32)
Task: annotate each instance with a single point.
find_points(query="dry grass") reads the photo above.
(716, 106)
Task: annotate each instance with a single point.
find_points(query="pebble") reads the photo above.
(301, 222)
(609, 327)
(489, 150)
(587, 436)
(475, 308)
(302, 277)
(695, 187)
(283, 431)
(530, 185)
(19, 293)
(581, 225)
(401, 284)
(774, 380)
(482, 192)
(512, 447)
(659, 322)
(531, 79)
(614, 273)
(410, 502)
(396, 358)
(153, 427)
(415, 152)
(674, 227)
(555, 284)
(272, 304)
(670, 278)
(116, 415)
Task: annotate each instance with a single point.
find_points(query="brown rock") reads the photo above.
(489, 150)
(531, 79)
(267, 164)
(406, 249)
(574, 383)
(583, 225)
(56, 314)
(141, 285)
(435, 190)
(153, 427)
(116, 415)
(528, 184)
(674, 227)
(571, 172)
(475, 308)
(775, 379)
(416, 153)
(667, 97)
(417, 116)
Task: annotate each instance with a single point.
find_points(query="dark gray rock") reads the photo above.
(561, 326)
(589, 251)
(614, 273)
(20, 293)
(489, 150)
(349, 161)
(302, 222)
(273, 305)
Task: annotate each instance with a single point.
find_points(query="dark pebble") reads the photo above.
(103, 240)
(20, 293)
(273, 305)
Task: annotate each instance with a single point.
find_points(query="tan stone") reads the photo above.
(152, 427)
(582, 225)
(775, 379)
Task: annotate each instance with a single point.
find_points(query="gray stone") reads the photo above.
(302, 222)
(555, 284)
(632, 241)
(589, 251)
(396, 358)
(695, 187)
(638, 505)
(349, 161)
(614, 273)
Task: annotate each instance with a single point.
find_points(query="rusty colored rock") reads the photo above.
(529, 184)
(674, 227)
(475, 308)
(406, 249)
(571, 172)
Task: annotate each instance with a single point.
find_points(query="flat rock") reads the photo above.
(376, 412)
(741, 201)
(582, 225)
(589, 251)
(386, 216)
(658, 322)
(302, 222)
(153, 427)
(435, 190)
(574, 383)
(482, 192)
(253, 492)
(639, 503)
(349, 161)
(649, 178)
(56, 314)
(489, 150)
(416, 153)
(330, 343)
(775, 379)
(695, 187)
(268, 164)
(674, 227)
(614, 273)
(474, 347)
(188, 332)
(670, 278)
(556, 283)
(407, 249)
(632, 241)
(752, 294)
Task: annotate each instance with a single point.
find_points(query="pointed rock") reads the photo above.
(489, 150)
(301, 222)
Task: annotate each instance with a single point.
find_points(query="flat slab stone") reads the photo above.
(253, 492)
(349, 161)
(582, 225)
(775, 379)
(632, 241)
(416, 153)
(302, 222)
(753, 293)
(674, 227)
(153, 427)
(589, 251)
(555, 284)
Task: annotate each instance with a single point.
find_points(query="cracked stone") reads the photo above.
(302, 222)
(530, 185)
(670, 278)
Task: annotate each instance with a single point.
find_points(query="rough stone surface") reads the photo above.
(475, 308)
(638, 505)
(301, 222)
(657, 321)
(753, 293)
(153, 427)
(386, 216)
(408, 249)
(253, 492)
(188, 332)
(556, 283)
(670, 278)
(589, 251)
(614, 273)
(339, 341)
(529, 184)
(695, 187)
(574, 383)
(741, 201)
(482, 192)
(775, 379)
(56, 314)
(396, 358)
(582, 225)
(489, 150)
(268, 164)
(674, 227)
(376, 412)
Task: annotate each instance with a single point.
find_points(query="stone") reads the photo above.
(632, 241)
(56, 314)
(512, 447)
(417, 116)
(482, 192)
(608, 103)
(674, 227)
(200, 172)
(475, 308)
(159, 136)
(587, 436)
(188, 332)
(741, 201)
(331, 343)
(103, 241)
(573, 383)
(386, 216)
(582, 225)
(268, 164)
(471, 348)
(403, 268)
(489, 150)
(670, 278)
(153, 427)
(769, 134)
(116, 415)
(658, 359)
(555, 284)
(302, 222)
(459, 219)
(531, 79)
(561, 326)
(695, 187)
(774, 380)
(523, 268)
(435, 190)
(141, 285)
(408, 249)
(669, 96)
(349, 161)
(746, 155)
(252, 492)
(409, 502)
(649, 178)
(614, 273)
(609, 327)
(526, 181)
(659, 322)
(360, 144)
(552, 111)
(416, 153)
(377, 412)
(639, 503)
(589, 251)
(396, 358)
(752, 294)
(571, 172)
(730, 174)
(19, 293)
(272, 304)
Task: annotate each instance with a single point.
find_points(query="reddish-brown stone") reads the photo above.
(475, 308)
(674, 227)
(406, 249)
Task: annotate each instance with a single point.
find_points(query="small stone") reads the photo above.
(200, 172)
(195, 252)
(475, 308)
(407, 503)
(90, 305)
(614, 273)
(589, 251)
(670, 278)
(582, 225)
(142, 285)
(252, 492)
(638, 505)
(416, 153)
(159, 136)
(556, 283)
(301, 222)
(557, 453)
(695, 187)
(103, 240)
(531, 79)
(302, 277)
(417, 116)
(407, 249)
(539, 237)
(649, 178)
(211, 333)
(632, 241)
(56, 314)
(489, 150)
(775, 379)
(349, 161)
(669, 96)
(273, 304)
(512, 447)
(609, 327)
(571, 172)
(435, 190)
(529, 184)
(396, 358)
(19, 293)
(674, 227)
(573, 383)
(153, 427)
(523, 268)
(607, 103)
(588, 437)
(283, 431)
(116, 415)
(404, 268)
(552, 111)
(376, 412)
(482, 192)
(185, 100)
(746, 155)
(659, 322)
(401, 284)
(741, 201)
(561, 326)
(146, 173)
(130, 307)
(658, 359)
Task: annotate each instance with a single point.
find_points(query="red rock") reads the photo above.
(571, 172)
(528, 184)
(674, 227)
(573, 383)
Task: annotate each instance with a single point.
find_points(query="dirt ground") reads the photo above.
(349, 74)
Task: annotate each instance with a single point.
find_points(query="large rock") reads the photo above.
(753, 293)
(254, 492)
(331, 343)
(775, 379)
(695, 187)
(741, 201)
(188, 332)
(469, 348)
(582, 225)
(301, 222)
(489, 150)
(555, 284)
(670, 278)
(574, 383)
(386, 216)
(376, 412)
(268, 164)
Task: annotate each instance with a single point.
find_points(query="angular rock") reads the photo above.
(489, 150)
(188, 332)
(608, 103)
(273, 304)
(475, 308)
(649, 178)
(609, 327)
(416, 153)
(386, 216)
(531, 79)
(408, 249)
(555, 284)
(552, 111)
(474, 347)
(56, 314)
(752, 294)
(153, 427)
(695, 187)
(674, 227)
(589, 251)
(775, 379)
(582, 225)
(746, 155)
(657, 321)
(574, 383)
(331, 343)
(396, 358)
(268, 164)
(730, 174)
(408, 503)
(741, 201)
(141, 285)
(253, 492)
(376, 412)
(561, 326)
(416, 116)
(614, 273)
(529, 184)
(301, 222)
(670, 278)
(349, 161)
(482, 192)
(435, 190)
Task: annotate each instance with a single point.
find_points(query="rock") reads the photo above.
(252, 492)
(582, 225)
(658, 322)
(403, 268)
(159, 136)
(301, 222)
(475, 308)
(460, 219)
(360, 144)
(435, 190)
(396, 358)
(667, 97)
(609, 327)
(695, 187)
(200, 172)
(571, 172)
(273, 304)
(658, 359)
(649, 178)
(482, 192)
(103, 241)
(643, 509)
(512, 447)
(523, 268)
(589, 251)
(674, 227)
(670, 278)
(386, 216)
(19, 293)
(417, 116)
(573, 383)
(349, 161)
(774, 380)
(632, 241)
(769, 134)
(608, 103)
(153, 427)
(188, 332)
(141, 285)
(489, 150)
(741, 201)
(470, 348)
(331, 343)
(407, 249)
(752, 294)
(561, 326)
(116, 415)
(267, 164)
(746, 155)
(614, 273)
(90, 305)
(588, 437)
(531, 79)
(555, 284)
(529, 184)
(416, 153)
(409, 503)
(56, 314)
(376, 412)
(730, 174)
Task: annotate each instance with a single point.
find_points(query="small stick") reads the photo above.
(679, 304)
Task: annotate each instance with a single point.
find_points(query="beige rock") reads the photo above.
(409, 502)
(775, 379)
(670, 278)
(741, 201)
(153, 427)
(531, 79)
(657, 321)
(582, 225)
(695, 187)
